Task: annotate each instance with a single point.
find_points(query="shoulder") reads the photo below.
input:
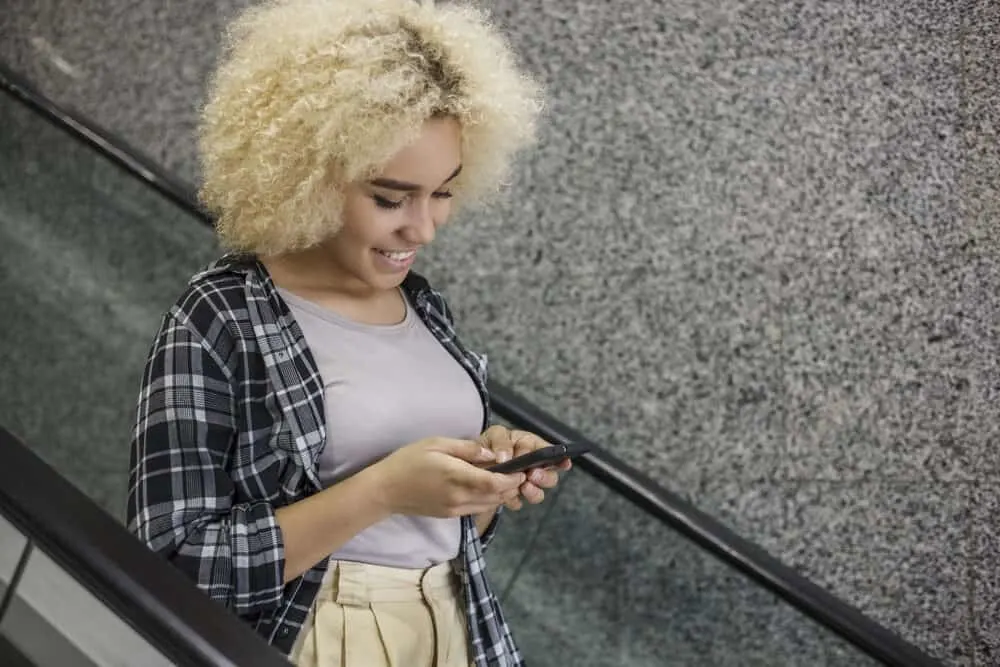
(215, 299)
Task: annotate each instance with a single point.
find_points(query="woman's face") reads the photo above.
(389, 219)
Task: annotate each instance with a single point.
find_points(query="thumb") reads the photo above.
(467, 450)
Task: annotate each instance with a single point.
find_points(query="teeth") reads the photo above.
(398, 256)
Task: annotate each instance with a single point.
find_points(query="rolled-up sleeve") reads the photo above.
(181, 495)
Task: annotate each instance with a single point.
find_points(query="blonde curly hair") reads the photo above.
(314, 94)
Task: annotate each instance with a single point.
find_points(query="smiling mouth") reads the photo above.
(397, 255)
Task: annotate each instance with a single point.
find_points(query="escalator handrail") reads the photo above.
(668, 507)
(812, 600)
(142, 588)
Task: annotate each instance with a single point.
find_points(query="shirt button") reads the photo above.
(284, 631)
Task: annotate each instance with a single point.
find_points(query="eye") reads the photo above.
(442, 195)
(382, 202)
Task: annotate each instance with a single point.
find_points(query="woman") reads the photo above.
(311, 436)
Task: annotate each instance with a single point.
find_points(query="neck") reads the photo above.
(315, 271)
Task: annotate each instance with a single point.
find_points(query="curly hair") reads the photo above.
(313, 94)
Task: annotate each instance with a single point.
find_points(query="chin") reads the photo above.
(382, 282)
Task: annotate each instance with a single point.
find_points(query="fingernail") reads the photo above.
(503, 456)
(487, 454)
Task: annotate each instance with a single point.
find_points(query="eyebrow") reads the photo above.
(403, 186)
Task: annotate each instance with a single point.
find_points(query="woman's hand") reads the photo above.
(506, 444)
(440, 477)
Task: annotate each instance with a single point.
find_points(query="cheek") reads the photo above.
(366, 226)
(442, 214)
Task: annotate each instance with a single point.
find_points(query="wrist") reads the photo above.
(379, 490)
(484, 519)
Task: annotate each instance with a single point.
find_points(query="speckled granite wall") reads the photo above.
(754, 254)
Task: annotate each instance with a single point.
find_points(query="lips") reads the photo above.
(397, 255)
(394, 261)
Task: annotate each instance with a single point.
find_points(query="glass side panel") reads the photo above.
(10, 656)
(90, 258)
(588, 579)
(12, 544)
(55, 621)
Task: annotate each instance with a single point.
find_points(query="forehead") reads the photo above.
(431, 158)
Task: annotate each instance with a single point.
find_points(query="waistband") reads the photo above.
(352, 583)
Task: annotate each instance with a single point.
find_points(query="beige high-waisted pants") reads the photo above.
(374, 616)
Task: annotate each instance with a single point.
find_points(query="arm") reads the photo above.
(182, 499)
(317, 526)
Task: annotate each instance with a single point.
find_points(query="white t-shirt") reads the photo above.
(387, 386)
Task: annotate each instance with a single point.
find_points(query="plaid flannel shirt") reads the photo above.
(230, 425)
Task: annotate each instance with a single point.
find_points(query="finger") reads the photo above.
(514, 494)
(495, 431)
(467, 450)
(565, 465)
(512, 499)
(525, 442)
(545, 479)
(495, 483)
(532, 493)
(506, 483)
(497, 438)
(478, 482)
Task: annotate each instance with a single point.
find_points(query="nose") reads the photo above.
(421, 228)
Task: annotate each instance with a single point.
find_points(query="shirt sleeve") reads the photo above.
(181, 498)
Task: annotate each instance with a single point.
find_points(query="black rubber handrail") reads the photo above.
(104, 142)
(144, 590)
(812, 600)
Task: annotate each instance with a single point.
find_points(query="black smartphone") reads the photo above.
(540, 458)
